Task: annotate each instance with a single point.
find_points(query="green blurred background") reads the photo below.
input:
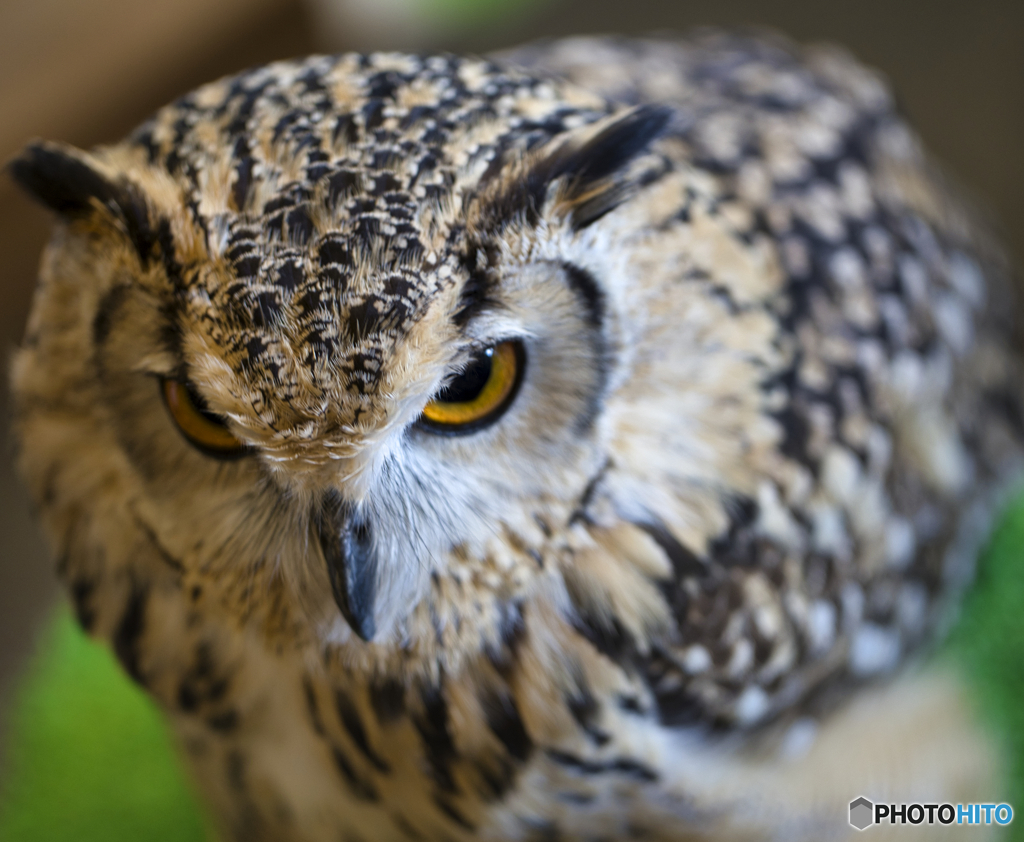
(86, 72)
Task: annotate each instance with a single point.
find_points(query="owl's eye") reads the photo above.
(480, 394)
(204, 430)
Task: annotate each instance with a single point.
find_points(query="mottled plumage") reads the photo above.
(765, 403)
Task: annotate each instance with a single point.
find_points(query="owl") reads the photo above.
(581, 444)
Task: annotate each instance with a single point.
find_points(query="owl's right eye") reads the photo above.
(205, 431)
(480, 394)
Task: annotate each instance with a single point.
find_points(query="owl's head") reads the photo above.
(344, 322)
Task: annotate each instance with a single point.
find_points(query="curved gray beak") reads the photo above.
(347, 543)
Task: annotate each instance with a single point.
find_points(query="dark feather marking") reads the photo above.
(475, 296)
(168, 254)
(588, 291)
(188, 697)
(453, 813)
(243, 175)
(167, 558)
(580, 512)
(1006, 403)
(684, 561)
(585, 710)
(130, 629)
(432, 725)
(619, 766)
(676, 705)
(402, 823)
(631, 704)
(607, 636)
(796, 432)
(737, 546)
(586, 287)
(349, 716)
(473, 300)
(103, 320)
(82, 589)
(248, 824)
(225, 722)
(361, 788)
(49, 497)
(502, 715)
(312, 707)
(387, 697)
(497, 776)
(202, 684)
(512, 631)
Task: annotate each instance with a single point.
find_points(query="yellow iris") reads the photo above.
(480, 393)
(203, 430)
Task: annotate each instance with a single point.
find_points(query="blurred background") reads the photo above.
(87, 71)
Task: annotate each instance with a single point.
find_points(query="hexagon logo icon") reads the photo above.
(862, 813)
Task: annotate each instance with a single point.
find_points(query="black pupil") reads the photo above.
(470, 383)
(203, 409)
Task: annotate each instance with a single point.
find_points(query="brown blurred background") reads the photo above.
(87, 72)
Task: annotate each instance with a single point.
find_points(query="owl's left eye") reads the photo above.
(203, 430)
(480, 394)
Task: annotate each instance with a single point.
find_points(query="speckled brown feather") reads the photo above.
(769, 403)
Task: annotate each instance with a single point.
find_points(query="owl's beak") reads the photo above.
(347, 543)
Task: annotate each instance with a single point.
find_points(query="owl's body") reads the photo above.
(763, 401)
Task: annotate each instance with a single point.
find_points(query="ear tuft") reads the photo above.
(61, 178)
(610, 150)
(65, 180)
(595, 169)
(589, 164)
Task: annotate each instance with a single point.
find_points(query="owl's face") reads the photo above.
(353, 343)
